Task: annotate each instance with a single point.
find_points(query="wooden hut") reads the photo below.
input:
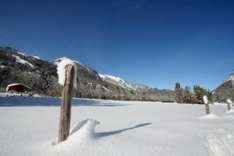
(17, 87)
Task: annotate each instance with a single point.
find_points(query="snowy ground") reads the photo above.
(125, 129)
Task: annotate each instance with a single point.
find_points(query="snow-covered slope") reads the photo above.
(62, 59)
(225, 90)
(117, 81)
(23, 61)
(124, 129)
(231, 78)
(123, 83)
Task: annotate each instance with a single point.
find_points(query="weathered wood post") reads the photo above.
(229, 102)
(65, 112)
(207, 107)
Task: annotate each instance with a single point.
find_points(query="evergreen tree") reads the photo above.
(199, 92)
(178, 93)
(187, 95)
(210, 96)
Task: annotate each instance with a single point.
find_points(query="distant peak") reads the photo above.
(123, 83)
(117, 81)
(87, 68)
(231, 77)
(115, 78)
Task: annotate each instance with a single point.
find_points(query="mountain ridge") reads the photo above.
(15, 66)
(41, 76)
(225, 90)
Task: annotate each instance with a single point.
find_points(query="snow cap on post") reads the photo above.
(229, 101)
(205, 99)
(61, 65)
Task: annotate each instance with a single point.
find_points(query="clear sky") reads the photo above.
(154, 42)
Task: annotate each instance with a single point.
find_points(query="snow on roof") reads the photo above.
(22, 61)
(15, 84)
(61, 64)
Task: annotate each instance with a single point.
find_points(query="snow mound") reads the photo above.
(230, 111)
(81, 138)
(85, 128)
(61, 64)
(209, 116)
(81, 132)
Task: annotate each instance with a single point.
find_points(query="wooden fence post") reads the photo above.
(207, 107)
(229, 102)
(228, 106)
(65, 112)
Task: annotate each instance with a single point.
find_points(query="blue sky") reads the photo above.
(154, 42)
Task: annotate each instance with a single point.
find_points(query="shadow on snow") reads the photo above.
(106, 134)
(52, 101)
(87, 128)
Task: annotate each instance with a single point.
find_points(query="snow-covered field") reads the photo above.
(124, 129)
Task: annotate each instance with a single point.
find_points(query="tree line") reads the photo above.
(192, 94)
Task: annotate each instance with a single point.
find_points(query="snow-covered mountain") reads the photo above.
(87, 68)
(226, 89)
(115, 80)
(41, 76)
(230, 78)
(123, 83)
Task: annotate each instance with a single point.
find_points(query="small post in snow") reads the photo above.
(65, 112)
(229, 102)
(207, 107)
